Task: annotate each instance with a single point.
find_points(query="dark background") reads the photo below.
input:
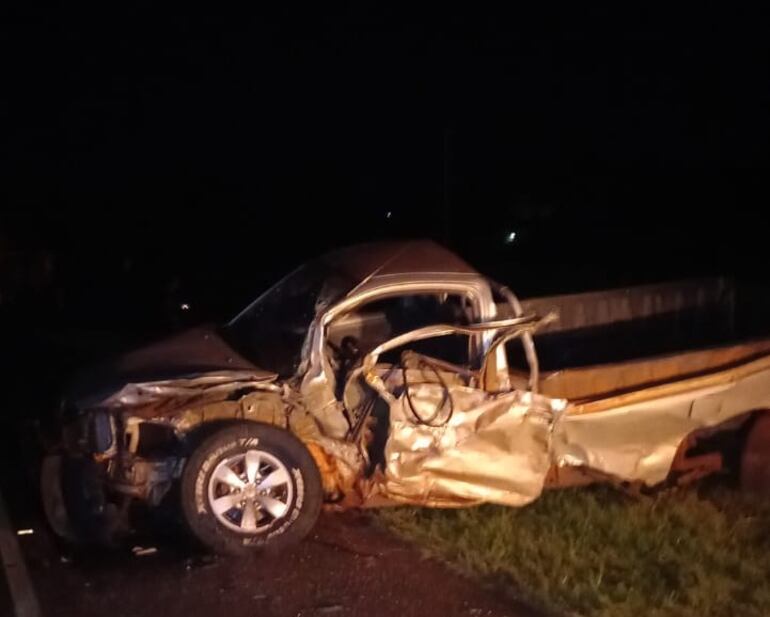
(158, 155)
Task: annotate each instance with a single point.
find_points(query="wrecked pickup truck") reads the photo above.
(395, 373)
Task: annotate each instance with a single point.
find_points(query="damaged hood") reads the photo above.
(193, 352)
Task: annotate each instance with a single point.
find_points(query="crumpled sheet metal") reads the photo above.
(494, 448)
(631, 444)
(184, 390)
(638, 441)
(188, 402)
(341, 465)
(158, 399)
(498, 448)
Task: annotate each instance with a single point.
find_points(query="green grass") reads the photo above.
(595, 552)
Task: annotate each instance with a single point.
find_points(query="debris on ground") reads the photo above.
(200, 561)
(328, 609)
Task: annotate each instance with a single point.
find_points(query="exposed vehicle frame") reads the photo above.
(257, 452)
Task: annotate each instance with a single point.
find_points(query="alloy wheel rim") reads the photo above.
(250, 491)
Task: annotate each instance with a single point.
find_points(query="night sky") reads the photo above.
(159, 154)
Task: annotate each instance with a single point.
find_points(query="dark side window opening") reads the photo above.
(381, 320)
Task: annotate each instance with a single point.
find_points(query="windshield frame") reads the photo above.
(286, 309)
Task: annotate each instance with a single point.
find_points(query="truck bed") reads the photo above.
(583, 384)
(611, 342)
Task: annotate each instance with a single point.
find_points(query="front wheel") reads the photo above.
(249, 487)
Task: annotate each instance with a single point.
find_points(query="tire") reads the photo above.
(75, 503)
(52, 498)
(755, 457)
(250, 487)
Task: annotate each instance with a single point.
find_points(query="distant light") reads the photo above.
(510, 237)
(25, 532)
(389, 214)
(184, 306)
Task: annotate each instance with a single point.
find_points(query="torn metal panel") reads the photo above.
(508, 327)
(156, 398)
(317, 384)
(317, 389)
(636, 437)
(453, 444)
(341, 464)
(493, 448)
(259, 406)
(631, 442)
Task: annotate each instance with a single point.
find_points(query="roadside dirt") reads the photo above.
(348, 567)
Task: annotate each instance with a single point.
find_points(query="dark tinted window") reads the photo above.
(270, 332)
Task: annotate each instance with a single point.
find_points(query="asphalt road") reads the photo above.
(348, 567)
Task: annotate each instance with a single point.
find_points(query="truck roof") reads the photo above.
(363, 261)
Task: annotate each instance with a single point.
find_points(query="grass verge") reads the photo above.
(598, 553)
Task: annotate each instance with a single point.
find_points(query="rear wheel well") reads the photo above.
(754, 468)
(715, 449)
